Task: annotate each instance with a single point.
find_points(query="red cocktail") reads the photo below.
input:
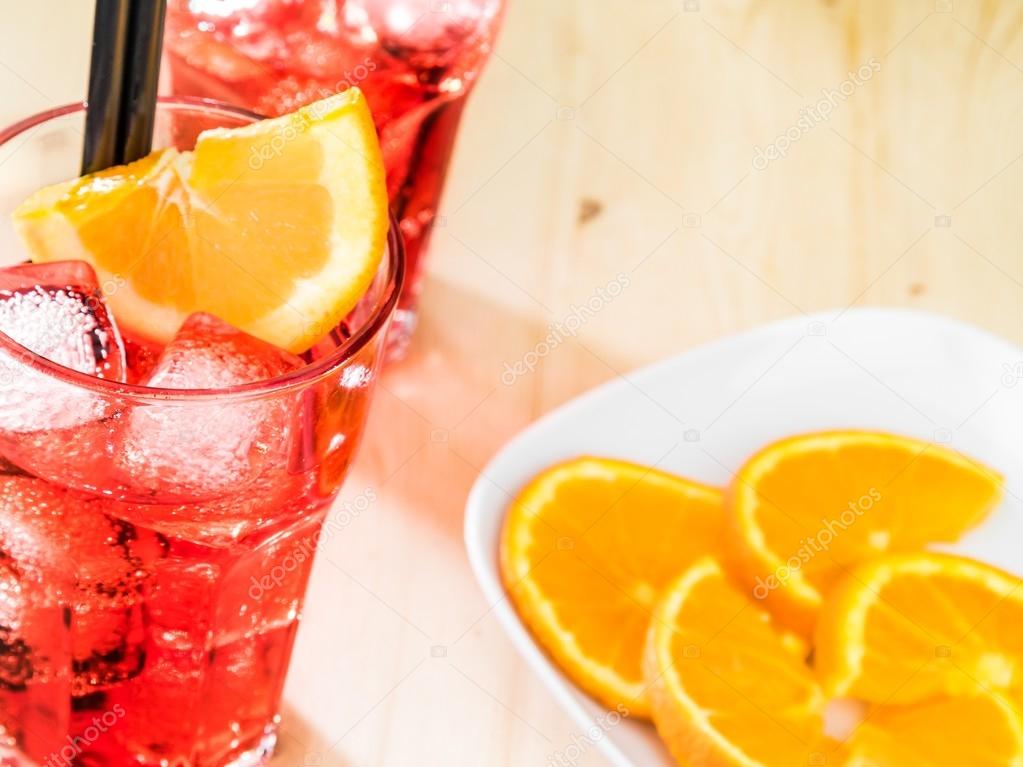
(160, 503)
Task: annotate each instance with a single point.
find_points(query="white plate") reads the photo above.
(700, 414)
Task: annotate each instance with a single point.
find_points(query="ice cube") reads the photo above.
(76, 456)
(207, 447)
(34, 636)
(271, 496)
(140, 357)
(57, 311)
(208, 353)
(113, 562)
(68, 553)
(262, 588)
(34, 544)
(179, 604)
(34, 691)
(243, 683)
(415, 32)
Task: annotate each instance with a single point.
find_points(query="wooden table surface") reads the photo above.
(635, 140)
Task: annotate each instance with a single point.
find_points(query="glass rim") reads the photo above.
(394, 258)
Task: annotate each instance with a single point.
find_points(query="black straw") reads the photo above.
(123, 79)
(106, 80)
(141, 77)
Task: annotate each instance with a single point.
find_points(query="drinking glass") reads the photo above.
(155, 544)
(415, 60)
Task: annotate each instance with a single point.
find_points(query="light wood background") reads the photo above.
(614, 137)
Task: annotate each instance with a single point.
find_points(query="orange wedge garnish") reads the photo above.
(277, 227)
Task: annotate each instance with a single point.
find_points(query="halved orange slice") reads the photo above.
(587, 547)
(979, 730)
(804, 510)
(277, 227)
(910, 627)
(725, 686)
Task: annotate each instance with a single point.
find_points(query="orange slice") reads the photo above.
(586, 549)
(909, 627)
(804, 510)
(725, 687)
(277, 227)
(980, 731)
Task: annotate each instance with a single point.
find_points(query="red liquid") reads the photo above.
(176, 652)
(414, 59)
(154, 555)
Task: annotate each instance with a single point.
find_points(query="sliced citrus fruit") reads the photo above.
(276, 227)
(586, 549)
(981, 731)
(804, 510)
(725, 687)
(908, 627)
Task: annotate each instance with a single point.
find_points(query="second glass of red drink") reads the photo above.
(416, 61)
